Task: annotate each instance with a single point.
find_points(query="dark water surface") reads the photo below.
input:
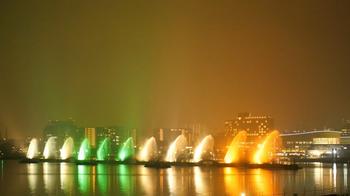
(71, 179)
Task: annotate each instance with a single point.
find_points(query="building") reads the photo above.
(165, 137)
(112, 133)
(314, 144)
(90, 134)
(255, 126)
(345, 130)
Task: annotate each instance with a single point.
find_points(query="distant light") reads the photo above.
(243, 194)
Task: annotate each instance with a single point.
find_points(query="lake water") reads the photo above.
(71, 179)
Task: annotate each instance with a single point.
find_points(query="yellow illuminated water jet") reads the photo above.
(206, 145)
(266, 150)
(232, 154)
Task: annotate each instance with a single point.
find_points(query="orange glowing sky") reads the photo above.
(157, 64)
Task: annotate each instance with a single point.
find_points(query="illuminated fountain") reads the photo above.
(233, 153)
(67, 149)
(176, 148)
(103, 150)
(50, 151)
(266, 150)
(149, 150)
(33, 149)
(205, 146)
(84, 151)
(127, 150)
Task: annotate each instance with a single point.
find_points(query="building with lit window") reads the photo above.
(314, 144)
(90, 134)
(255, 126)
(164, 137)
(113, 134)
(345, 130)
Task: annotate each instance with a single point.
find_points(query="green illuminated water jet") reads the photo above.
(84, 151)
(127, 150)
(103, 150)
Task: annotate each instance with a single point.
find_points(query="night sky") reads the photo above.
(156, 64)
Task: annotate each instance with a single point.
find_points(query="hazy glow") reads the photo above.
(127, 150)
(232, 154)
(33, 149)
(206, 145)
(67, 149)
(84, 151)
(50, 148)
(149, 150)
(103, 150)
(176, 148)
(266, 150)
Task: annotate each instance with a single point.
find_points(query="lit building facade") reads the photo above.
(312, 144)
(165, 136)
(255, 126)
(112, 133)
(90, 134)
(345, 130)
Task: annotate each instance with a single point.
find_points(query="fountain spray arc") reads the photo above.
(50, 151)
(127, 151)
(233, 154)
(103, 150)
(33, 149)
(84, 150)
(176, 148)
(67, 149)
(149, 150)
(206, 145)
(267, 149)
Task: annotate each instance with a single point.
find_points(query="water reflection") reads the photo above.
(68, 178)
(67, 171)
(50, 173)
(345, 171)
(86, 179)
(202, 181)
(32, 174)
(334, 174)
(145, 179)
(2, 169)
(126, 183)
(234, 184)
(102, 178)
(263, 182)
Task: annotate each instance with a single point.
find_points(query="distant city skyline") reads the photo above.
(167, 65)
